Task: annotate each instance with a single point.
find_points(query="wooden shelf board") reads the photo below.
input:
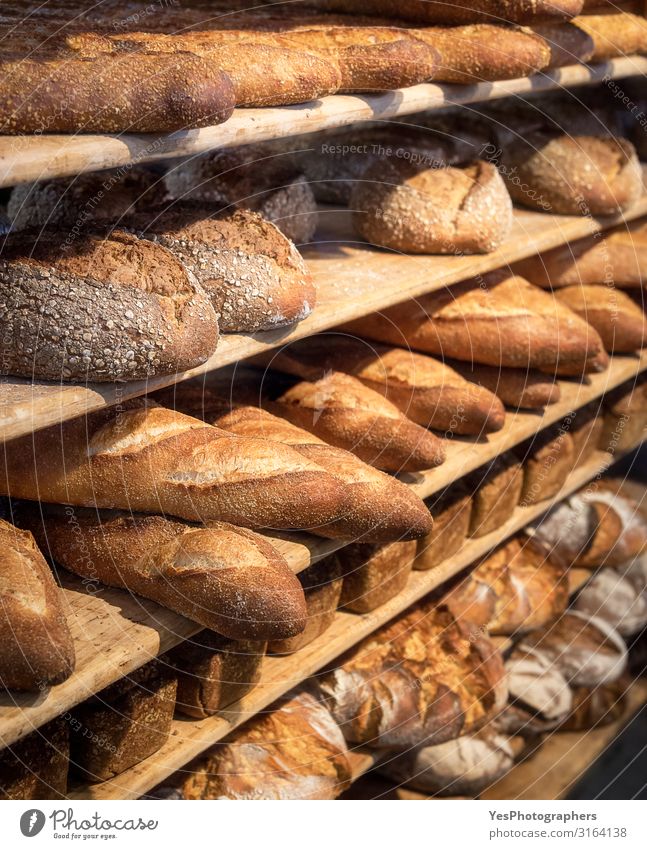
(564, 757)
(352, 278)
(29, 158)
(280, 674)
(115, 632)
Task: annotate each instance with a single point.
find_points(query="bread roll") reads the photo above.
(619, 321)
(225, 578)
(426, 390)
(496, 490)
(37, 647)
(214, 672)
(373, 574)
(573, 174)
(100, 308)
(347, 414)
(415, 208)
(254, 276)
(615, 599)
(36, 767)
(515, 387)
(451, 511)
(143, 457)
(499, 320)
(547, 461)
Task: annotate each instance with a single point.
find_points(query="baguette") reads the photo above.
(225, 578)
(427, 391)
(595, 364)
(37, 647)
(499, 320)
(254, 276)
(518, 388)
(408, 206)
(566, 42)
(614, 34)
(619, 321)
(344, 412)
(145, 458)
(100, 308)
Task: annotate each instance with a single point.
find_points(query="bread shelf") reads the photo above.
(115, 632)
(29, 158)
(280, 674)
(353, 279)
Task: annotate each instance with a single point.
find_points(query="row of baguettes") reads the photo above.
(106, 72)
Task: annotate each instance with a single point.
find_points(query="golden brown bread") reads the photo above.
(585, 427)
(373, 574)
(566, 42)
(497, 320)
(36, 767)
(415, 208)
(496, 490)
(621, 531)
(625, 415)
(619, 321)
(594, 707)
(100, 308)
(213, 672)
(342, 411)
(146, 458)
(254, 276)
(451, 511)
(614, 33)
(547, 460)
(37, 647)
(225, 578)
(515, 387)
(427, 391)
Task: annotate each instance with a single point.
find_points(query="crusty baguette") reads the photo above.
(595, 364)
(427, 391)
(497, 320)
(412, 207)
(572, 174)
(515, 387)
(614, 33)
(618, 256)
(342, 411)
(100, 308)
(255, 277)
(145, 458)
(37, 649)
(377, 508)
(225, 578)
(619, 321)
(566, 42)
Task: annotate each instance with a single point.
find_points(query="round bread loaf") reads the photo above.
(413, 208)
(616, 600)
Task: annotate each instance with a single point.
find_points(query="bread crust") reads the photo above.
(451, 512)
(547, 460)
(515, 387)
(36, 767)
(619, 321)
(373, 574)
(614, 33)
(496, 490)
(566, 42)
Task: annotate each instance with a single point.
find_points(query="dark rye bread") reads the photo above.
(426, 390)
(254, 276)
(100, 308)
(376, 507)
(228, 579)
(36, 766)
(515, 387)
(143, 457)
(37, 650)
(496, 320)
(620, 322)
(415, 208)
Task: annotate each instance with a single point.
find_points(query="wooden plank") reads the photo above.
(564, 757)
(352, 279)
(28, 158)
(280, 674)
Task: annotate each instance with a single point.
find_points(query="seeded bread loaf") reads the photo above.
(373, 574)
(451, 512)
(37, 647)
(100, 308)
(496, 490)
(36, 767)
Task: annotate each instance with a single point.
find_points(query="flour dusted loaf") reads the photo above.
(223, 577)
(497, 320)
(100, 308)
(426, 390)
(594, 707)
(214, 672)
(254, 276)
(344, 412)
(146, 458)
(516, 588)
(36, 767)
(547, 460)
(124, 724)
(410, 207)
(620, 322)
(294, 751)
(496, 490)
(37, 647)
(373, 574)
(322, 588)
(621, 532)
(424, 678)
(615, 598)
(451, 511)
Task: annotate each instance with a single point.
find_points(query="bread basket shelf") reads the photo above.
(29, 158)
(189, 737)
(116, 633)
(353, 279)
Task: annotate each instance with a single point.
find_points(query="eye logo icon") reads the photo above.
(32, 822)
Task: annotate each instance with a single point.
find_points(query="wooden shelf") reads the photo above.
(280, 674)
(29, 158)
(352, 278)
(115, 632)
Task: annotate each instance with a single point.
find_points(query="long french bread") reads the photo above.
(619, 321)
(228, 579)
(515, 387)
